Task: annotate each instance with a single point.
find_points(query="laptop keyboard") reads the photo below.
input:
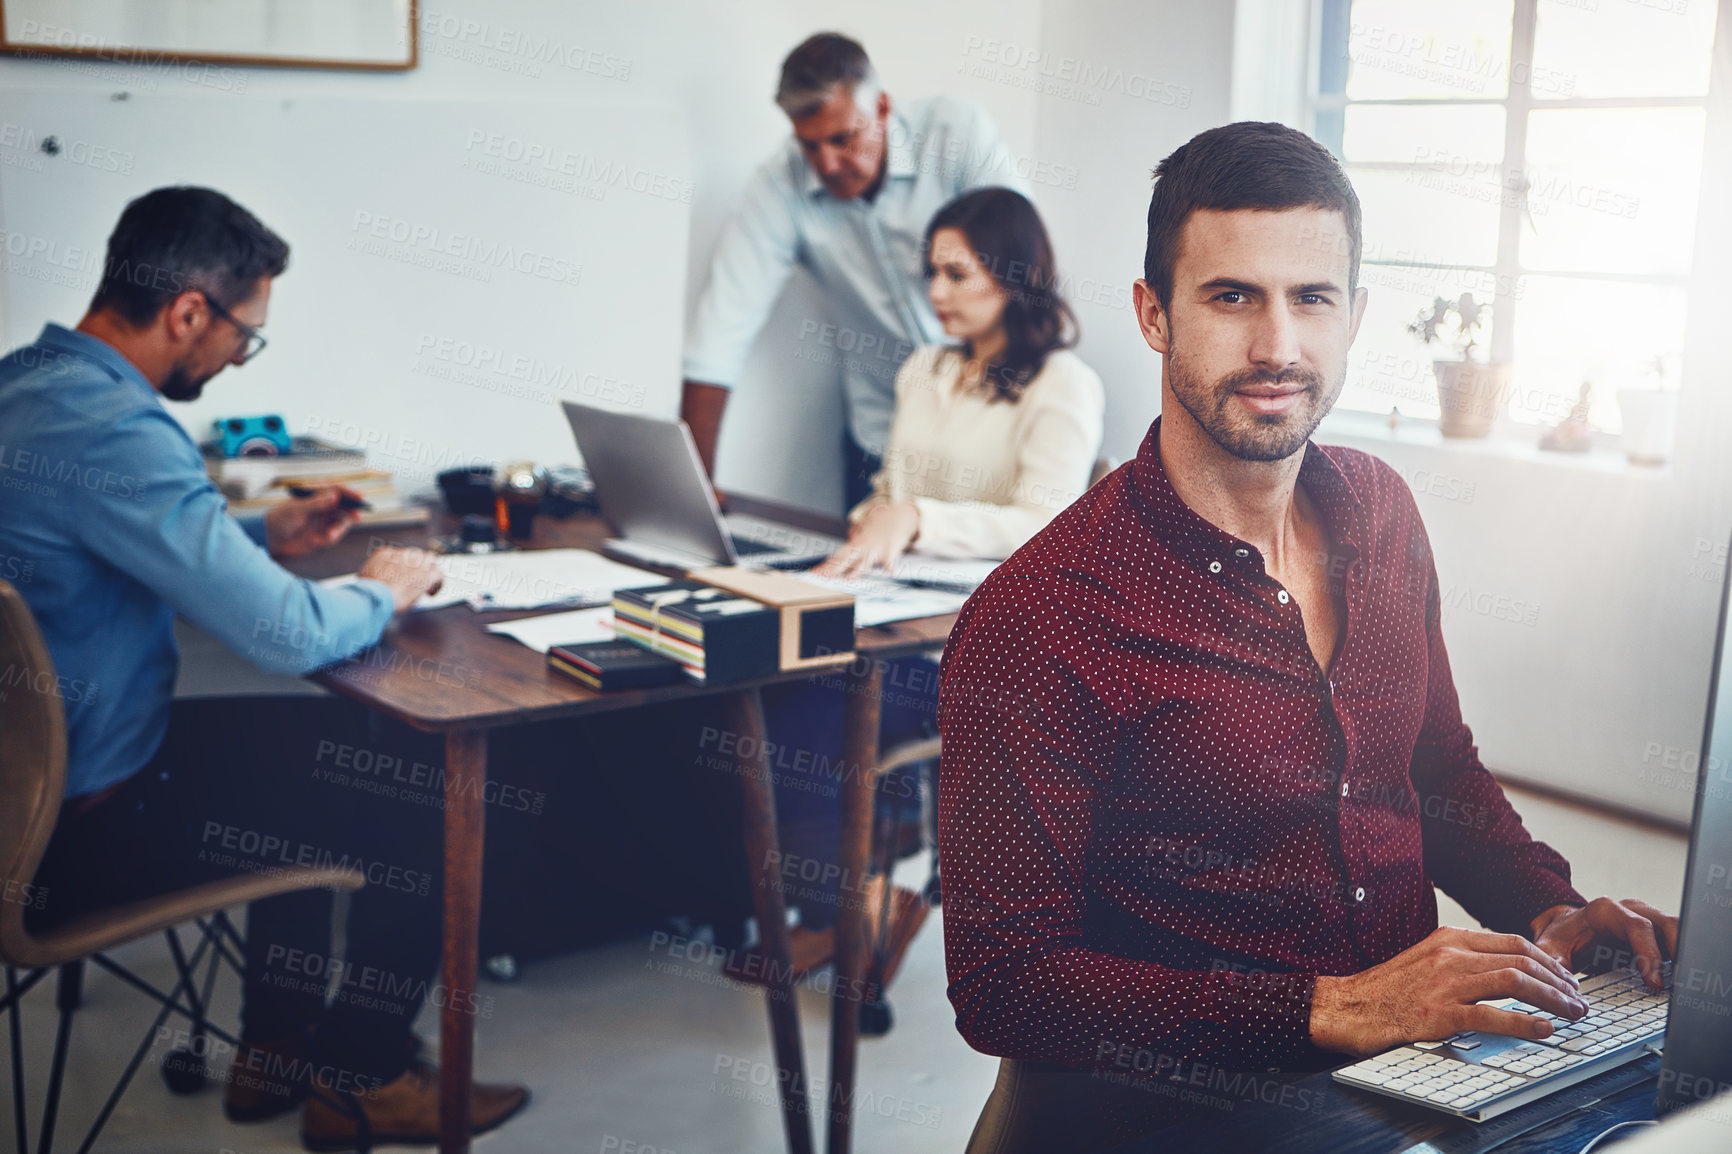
(746, 547)
(1471, 1071)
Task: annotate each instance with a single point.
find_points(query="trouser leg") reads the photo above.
(288, 964)
(392, 934)
(804, 725)
(251, 785)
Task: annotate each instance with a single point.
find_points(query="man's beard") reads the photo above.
(1253, 436)
(180, 385)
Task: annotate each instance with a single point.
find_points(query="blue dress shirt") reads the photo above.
(865, 253)
(109, 525)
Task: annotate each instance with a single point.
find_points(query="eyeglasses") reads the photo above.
(255, 340)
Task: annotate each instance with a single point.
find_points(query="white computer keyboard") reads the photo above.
(1478, 1075)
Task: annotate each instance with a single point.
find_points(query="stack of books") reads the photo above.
(715, 635)
(256, 484)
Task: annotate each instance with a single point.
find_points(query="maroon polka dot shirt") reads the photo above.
(1160, 820)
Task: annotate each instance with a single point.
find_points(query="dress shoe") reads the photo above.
(404, 1111)
(808, 950)
(267, 1078)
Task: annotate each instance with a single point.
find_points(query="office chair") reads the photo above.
(900, 914)
(32, 787)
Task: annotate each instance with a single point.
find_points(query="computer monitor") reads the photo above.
(1698, 1061)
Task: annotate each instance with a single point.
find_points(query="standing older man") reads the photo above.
(848, 199)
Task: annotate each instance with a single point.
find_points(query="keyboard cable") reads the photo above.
(1658, 1052)
(1604, 1134)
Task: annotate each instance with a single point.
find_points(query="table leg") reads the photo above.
(465, 827)
(746, 717)
(859, 762)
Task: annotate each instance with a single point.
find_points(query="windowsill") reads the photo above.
(1511, 444)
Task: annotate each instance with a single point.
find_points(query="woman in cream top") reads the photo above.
(989, 442)
(985, 475)
(992, 439)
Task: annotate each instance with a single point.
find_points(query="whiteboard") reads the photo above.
(366, 33)
(457, 268)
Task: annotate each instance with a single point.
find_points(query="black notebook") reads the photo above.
(609, 665)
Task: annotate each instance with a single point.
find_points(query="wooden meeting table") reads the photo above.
(412, 675)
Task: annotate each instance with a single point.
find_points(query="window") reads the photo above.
(1543, 155)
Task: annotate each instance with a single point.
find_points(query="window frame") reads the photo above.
(1324, 118)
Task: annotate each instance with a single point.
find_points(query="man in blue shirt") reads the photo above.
(848, 199)
(108, 498)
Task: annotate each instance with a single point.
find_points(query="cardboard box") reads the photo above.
(817, 622)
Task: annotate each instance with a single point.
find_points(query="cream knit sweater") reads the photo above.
(987, 475)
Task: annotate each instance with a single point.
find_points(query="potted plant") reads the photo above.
(1650, 416)
(1470, 393)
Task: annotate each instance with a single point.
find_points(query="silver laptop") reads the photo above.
(650, 484)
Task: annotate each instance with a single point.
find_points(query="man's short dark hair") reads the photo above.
(1249, 165)
(812, 71)
(175, 240)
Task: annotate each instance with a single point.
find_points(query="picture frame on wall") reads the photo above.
(369, 35)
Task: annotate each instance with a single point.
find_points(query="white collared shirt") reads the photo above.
(865, 255)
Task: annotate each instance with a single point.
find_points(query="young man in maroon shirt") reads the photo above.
(1203, 757)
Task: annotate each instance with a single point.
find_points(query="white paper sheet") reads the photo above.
(528, 579)
(536, 577)
(880, 600)
(550, 629)
(962, 572)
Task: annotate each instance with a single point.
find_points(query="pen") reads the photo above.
(938, 586)
(344, 502)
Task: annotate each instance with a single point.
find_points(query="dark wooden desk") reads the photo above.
(1341, 1120)
(442, 672)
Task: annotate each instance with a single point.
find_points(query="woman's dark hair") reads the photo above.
(1007, 238)
(175, 240)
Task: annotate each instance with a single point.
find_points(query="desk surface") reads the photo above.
(440, 669)
(1352, 1121)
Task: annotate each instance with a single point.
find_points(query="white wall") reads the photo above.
(716, 64)
(1158, 72)
(1618, 571)
(438, 305)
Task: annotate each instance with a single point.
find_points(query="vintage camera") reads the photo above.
(251, 436)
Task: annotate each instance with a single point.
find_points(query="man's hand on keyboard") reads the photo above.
(1432, 990)
(1627, 933)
